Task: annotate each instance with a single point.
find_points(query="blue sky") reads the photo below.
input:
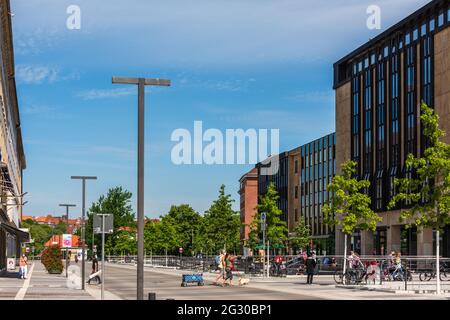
(233, 64)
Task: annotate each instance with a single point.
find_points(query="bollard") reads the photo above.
(406, 278)
(152, 296)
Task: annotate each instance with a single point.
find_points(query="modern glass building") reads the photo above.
(379, 89)
(318, 166)
(301, 181)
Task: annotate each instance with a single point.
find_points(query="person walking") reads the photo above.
(94, 264)
(220, 267)
(23, 266)
(229, 261)
(310, 268)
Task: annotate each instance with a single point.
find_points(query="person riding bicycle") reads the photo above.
(354, 264)
(397, 266)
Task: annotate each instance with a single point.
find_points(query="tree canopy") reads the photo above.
(427, 189)
(276, 231)
(349, 206)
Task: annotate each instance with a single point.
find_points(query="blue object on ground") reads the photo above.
(192, 278)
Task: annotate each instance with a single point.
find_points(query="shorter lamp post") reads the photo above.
(67, 226)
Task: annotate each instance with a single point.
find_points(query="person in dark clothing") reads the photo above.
(94, 264)
(310, 268)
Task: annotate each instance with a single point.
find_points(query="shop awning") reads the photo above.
(21, 235)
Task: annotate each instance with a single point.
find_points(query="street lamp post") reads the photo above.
(141, 83)
(67, 227)
(83, 231)
(263, 227)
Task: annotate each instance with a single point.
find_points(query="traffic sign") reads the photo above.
(263, 216)
(180, 250)
(109, 223)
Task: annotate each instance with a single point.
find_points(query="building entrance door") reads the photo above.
(408, 241)
(380, 241)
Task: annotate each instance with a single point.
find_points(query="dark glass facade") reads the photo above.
(388, 83)
(281, 181)
(318, 167)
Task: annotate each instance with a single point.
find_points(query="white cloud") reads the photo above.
(35, 74)
(38, 74)
(94, 94)
(218, 85)
(203, 32)
(36, 110)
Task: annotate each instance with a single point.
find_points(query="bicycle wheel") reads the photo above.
(425, 276)
(410, 277)
(338, 276)
(351, 279)
(444, 275)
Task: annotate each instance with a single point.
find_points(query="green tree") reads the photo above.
(60, 228)
(162, 237)
(221, 225)
(125, 241)
(187, 224)
(349, 207)
(276, 228)
(117, 202)
(39, 233)
(427, 189)
(302, 236)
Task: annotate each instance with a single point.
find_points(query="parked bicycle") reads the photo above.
(352, 276)
(444, 273)
(278, 270)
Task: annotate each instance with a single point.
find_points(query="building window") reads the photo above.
(381, 113)
(395, 108)
(367, 166)
(355, 119)
(427, 77)
(296, 214)
(410, 134)
(296, 192)
(441, 20)
(296, 166)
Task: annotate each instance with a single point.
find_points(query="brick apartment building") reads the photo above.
(300, 178)
(248, 192)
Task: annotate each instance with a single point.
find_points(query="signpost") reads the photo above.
(67, 243)
(103, 223)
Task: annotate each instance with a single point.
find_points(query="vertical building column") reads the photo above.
(393, 238)
(425, 243)
(366, 243)
(339, 243)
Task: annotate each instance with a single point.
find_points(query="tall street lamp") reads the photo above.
(67, 229)
(141, 83)
(67, 211)
(83, 208)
